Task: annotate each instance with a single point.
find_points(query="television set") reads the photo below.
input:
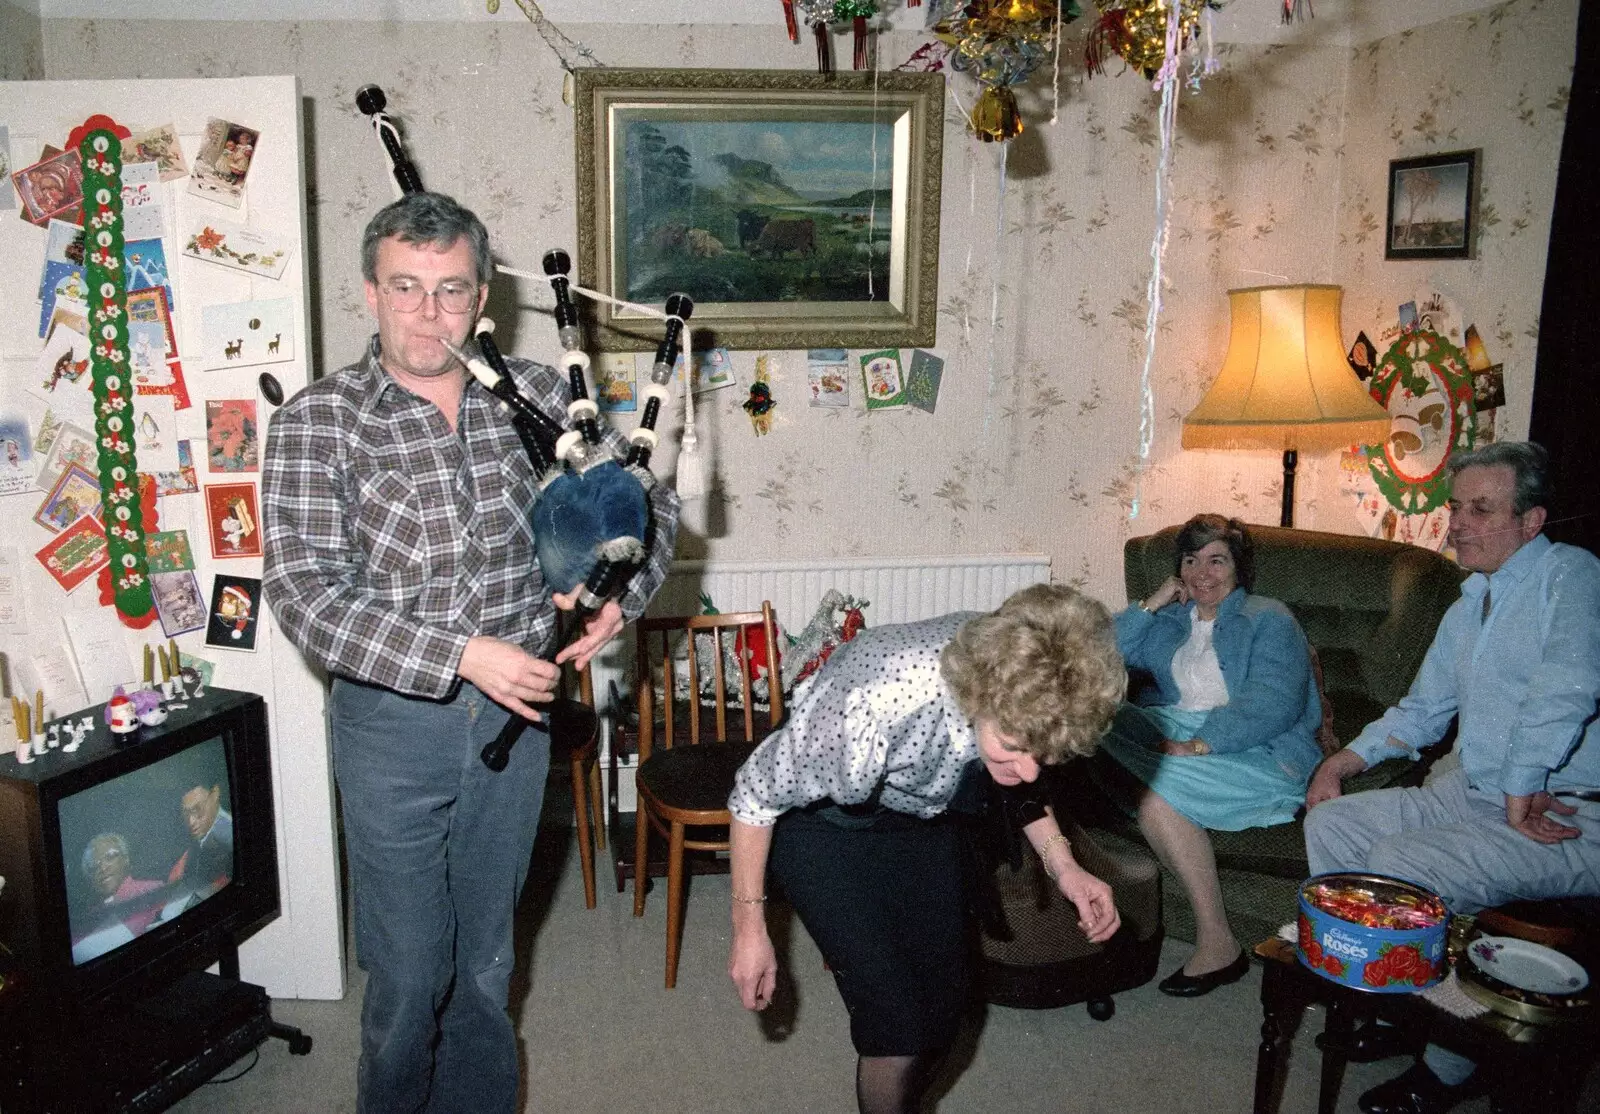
(136, 857)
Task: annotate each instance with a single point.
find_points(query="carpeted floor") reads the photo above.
(601, 1034)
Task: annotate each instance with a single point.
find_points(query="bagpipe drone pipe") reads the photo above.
(591, 512)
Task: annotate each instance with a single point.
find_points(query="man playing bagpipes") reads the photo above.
(400, 558)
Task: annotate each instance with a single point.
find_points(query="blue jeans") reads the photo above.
(438, 848)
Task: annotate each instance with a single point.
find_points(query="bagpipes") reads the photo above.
(591, 513)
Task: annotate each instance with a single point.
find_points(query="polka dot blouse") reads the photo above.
(877, 716)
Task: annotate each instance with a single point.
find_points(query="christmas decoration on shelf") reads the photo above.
(98, 141)
(1000, 43)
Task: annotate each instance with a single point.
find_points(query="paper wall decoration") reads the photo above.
(98, 143)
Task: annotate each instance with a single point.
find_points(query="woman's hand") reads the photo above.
(753, 966)
(1190, 749)
(1171, 591)
(1097, 911)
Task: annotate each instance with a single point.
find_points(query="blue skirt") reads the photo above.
(1225, 792)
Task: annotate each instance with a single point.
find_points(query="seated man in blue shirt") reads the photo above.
(1517, 659)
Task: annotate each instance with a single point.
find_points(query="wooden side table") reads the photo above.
(1547, 1062)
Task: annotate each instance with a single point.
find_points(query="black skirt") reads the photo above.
(884, 897)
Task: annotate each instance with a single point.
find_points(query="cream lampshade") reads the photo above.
(1285, 383)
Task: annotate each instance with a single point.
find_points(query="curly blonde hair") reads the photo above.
(1044, 667)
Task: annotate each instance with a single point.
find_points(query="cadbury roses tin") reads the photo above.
(1372, 932)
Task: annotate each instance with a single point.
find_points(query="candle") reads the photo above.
(149, 665)
(38, 718)
(17, 713)
(166, 666)
(172, 652)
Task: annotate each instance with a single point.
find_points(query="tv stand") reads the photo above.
(299, 1044)
(141, 1057)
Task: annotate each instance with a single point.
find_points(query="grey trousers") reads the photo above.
(438, 848)
(1454, 840)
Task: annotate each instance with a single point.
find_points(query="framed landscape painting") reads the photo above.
(796, 209)
(1430, 206)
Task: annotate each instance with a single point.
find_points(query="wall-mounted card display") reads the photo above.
(155, 431)
(51, 187)
(238, 247)
(146, 261)
(75, 494)
(235, 607)
(168, 551)
(158, 145)
(62, 374)
(143, 213)
(882, 379)
(234, 520)
(223, 162)
(8, 196)
(240, 334)
(63, 298)
(71, 445)
(183, 481)
(232, 437)
(828, 377)
(75, 554)
(16, 454)
(616, 381)
(179, 604)
(922, 380)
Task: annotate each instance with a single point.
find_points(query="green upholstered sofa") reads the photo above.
(1369, 608)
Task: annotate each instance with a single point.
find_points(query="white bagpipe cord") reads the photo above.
(691, 467)
(1167, 82)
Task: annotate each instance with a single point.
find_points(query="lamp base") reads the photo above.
(1290, 458)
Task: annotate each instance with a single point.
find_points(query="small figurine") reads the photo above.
(147, 706)
(121, 716)
(79, 731)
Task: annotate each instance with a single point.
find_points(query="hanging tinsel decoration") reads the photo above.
(1000, 43)
(815, 14)
(857, 12)
(1137, 33)
(789, 21)
(1296, 10)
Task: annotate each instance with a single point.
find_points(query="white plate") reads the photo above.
(1527, 966)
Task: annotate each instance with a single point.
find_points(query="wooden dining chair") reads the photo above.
(686, 761)
(575, 729)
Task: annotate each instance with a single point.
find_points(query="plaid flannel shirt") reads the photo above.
(390, 539)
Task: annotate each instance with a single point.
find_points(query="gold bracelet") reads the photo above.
(762, 900)
(1044, 850)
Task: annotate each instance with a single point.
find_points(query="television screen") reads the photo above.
(142, 849)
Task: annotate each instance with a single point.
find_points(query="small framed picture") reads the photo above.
(1431, 202)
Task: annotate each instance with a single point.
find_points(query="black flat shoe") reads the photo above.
(1416, 1091)
(1180, 985)
(1372, 1042)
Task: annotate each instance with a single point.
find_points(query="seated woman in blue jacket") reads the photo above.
(1227, 737)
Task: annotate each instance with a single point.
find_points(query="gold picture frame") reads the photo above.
(797, 209)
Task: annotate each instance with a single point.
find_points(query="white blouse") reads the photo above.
(1196, 670)
(877, 718)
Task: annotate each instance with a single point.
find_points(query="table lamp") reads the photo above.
(1285, 383)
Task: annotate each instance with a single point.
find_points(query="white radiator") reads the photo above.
(897, 590)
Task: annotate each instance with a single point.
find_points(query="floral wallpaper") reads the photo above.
(21, 44)
(1279, 175)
